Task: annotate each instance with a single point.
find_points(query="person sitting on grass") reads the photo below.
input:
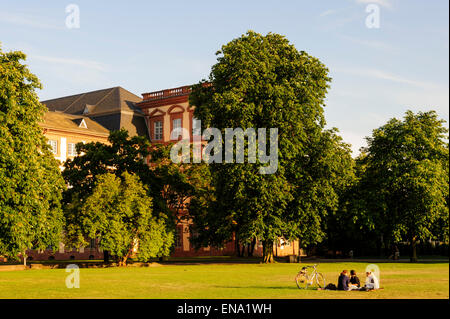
(372, 282)
(343, 281)
(354, 281)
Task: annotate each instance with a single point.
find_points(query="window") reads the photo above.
(158, 130)
(53, 146)
(71, 149)
(176, 128)
(196, 127)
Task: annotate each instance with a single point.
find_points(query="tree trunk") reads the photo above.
(25, 258)
(299, 251)
(252, 247)
(413, 244)
(237, 247)
(380, 246)
(387, 248)
(268, 251)
(123, 261)
(106, 256)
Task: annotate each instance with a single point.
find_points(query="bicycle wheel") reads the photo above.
(302, 280)
(320, 280)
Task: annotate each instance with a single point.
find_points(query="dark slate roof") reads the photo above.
(113, 108)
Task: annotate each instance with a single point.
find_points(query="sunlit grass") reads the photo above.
(398, 280)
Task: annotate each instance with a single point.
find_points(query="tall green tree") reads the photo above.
(344, 230)
(179, 182)
(170, 185)
(121, 154)
(404, 187)
(30, 181)
(264, 82)
(119, 213)
(324, 177)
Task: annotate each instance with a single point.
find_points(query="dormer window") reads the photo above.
(82, 124)
(88, 108)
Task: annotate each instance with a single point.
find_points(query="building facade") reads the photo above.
(86, 117)
(64, 131)
(165, 112)
(89, 117)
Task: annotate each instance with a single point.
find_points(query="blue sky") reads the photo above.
(143, 46)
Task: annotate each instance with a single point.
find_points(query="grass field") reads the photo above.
(208, 281)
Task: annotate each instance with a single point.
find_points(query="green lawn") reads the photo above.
(398, 280)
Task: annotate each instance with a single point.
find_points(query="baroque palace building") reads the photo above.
(89, 117)
(166, 111)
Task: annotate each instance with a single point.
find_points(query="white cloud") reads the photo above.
(69, 75)
(327, 12)
(383, 75)
(29, 51)
(370, 43)
(76, 62)
(28, 21)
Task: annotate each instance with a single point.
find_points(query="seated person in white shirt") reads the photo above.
(371, 281)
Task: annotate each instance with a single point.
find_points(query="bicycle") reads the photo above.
(305, 280)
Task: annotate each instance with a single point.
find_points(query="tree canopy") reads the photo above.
(119, 214)
(30, 180)
(168, 184)
(404, 180)
(264, 82)
(121, 154)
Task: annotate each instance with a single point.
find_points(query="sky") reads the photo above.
(379, 70)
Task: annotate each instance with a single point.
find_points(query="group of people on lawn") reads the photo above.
(351, 282)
